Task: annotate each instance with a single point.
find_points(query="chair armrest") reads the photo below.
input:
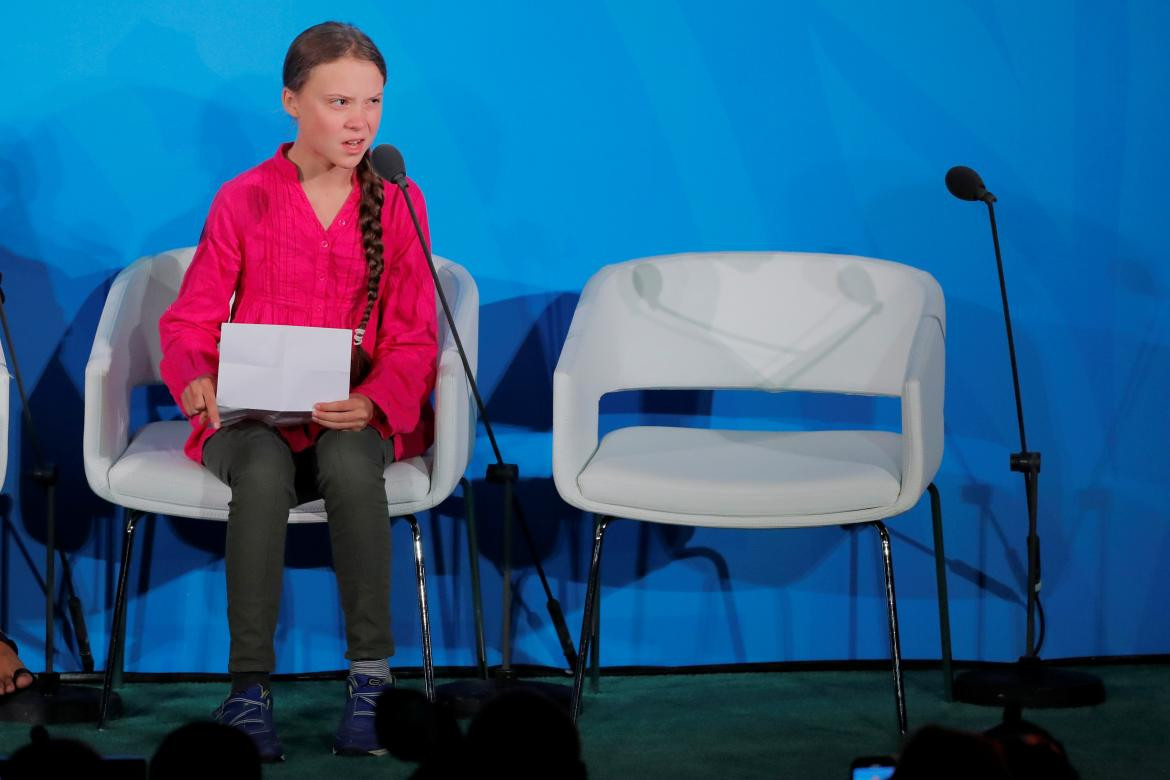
(579, 381)
(922, 410)
(455, 418)
(455, 409)
(575, 418)
(110, 375)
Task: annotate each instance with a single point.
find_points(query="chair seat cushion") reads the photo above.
(153, 474)
(692, 471)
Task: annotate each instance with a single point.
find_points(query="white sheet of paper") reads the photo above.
(283, 368)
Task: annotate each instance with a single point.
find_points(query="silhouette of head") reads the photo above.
(48, 757)
(202, 750)
(522, 734)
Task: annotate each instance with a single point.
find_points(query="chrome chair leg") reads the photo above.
(944, 612)
(895, 642)
(423, 611)
(592, 596)
(595, 641)
(118, 624)
(476, 593)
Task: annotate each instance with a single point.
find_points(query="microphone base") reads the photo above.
(467, 697)
(1029, 683)
(48, 701)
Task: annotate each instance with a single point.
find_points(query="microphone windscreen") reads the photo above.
(965, 183)
(388, 163)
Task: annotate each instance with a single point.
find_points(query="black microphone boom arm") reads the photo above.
(498, 471)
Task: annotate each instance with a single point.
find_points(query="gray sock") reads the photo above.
(379, 668)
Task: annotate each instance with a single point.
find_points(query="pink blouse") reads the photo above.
(263, 242)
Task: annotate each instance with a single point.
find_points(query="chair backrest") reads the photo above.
(152, 283)
(763, 320)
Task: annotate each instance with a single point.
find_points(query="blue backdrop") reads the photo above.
(552, 139)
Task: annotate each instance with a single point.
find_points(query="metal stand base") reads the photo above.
(47, 701)
(1029, 684)
(466, 697)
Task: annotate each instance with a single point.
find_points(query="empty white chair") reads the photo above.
(782, 321)
(146, 472)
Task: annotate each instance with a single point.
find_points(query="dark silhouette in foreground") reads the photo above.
(1013, 750)
(201, 750)
(518, 735)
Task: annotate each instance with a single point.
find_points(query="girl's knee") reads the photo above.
(265, 468)
(350, 458)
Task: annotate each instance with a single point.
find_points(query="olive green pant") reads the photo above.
(268, 479)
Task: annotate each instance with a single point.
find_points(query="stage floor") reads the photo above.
(785, 724)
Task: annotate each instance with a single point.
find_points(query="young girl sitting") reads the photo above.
(313, 237)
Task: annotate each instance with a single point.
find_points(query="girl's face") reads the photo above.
(338, 110)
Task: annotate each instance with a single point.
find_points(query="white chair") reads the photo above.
(766, 321)
(146, 472)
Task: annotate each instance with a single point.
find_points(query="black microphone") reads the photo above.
(965, 184)
(388, 164)
(1030, 680)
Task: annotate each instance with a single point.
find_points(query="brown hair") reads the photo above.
(320, 44)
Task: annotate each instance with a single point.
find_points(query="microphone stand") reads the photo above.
(48, 700)
(466, 696)
(1029, 682)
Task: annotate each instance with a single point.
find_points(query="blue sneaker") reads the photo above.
(250, 711)
(356, 735)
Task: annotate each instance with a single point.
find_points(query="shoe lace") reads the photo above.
(251, 710)
(368, 698)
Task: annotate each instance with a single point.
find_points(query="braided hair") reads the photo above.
(370, 222)
(320, 44)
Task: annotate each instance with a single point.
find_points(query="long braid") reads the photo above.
(370, 222)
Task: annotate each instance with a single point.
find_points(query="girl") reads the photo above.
(312, 236)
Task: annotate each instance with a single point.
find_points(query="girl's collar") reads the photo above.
(287, 168)
(284, 166)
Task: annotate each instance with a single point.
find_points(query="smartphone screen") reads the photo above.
(873, 768)
(873, 772)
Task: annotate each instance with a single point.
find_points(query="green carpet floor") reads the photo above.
(790, 724)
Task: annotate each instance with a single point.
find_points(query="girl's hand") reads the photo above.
(353, 414)
(199, 399)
